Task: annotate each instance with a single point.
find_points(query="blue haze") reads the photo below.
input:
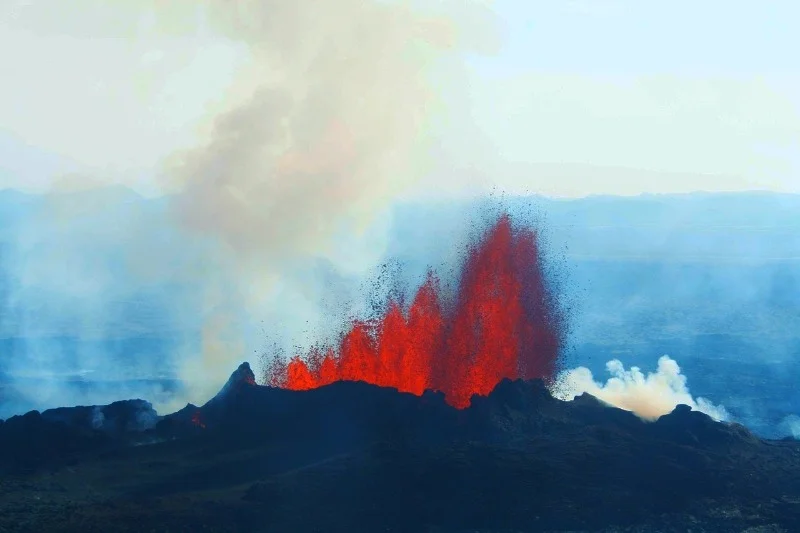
(713, 280)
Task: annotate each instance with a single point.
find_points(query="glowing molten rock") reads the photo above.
(504, 323)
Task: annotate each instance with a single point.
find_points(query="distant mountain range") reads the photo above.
(740, 227)
(670, 226)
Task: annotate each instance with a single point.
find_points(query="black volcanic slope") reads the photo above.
(352, 457)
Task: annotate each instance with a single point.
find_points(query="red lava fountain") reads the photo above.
(503, 323)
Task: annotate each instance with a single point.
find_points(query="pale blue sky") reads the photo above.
(584, 97)
(639, 37)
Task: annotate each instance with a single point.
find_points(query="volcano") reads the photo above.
(352, 456)
(435, 417)
(504, 322)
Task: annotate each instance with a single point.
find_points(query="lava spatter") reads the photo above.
(504, 322)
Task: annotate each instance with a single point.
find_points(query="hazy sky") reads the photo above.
(593, 96)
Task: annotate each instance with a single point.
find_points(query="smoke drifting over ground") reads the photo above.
(648, 396)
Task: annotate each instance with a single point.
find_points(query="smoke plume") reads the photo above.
(648, 396)
(333, 126)
(339, 101)
(328, 120)
(792, 424)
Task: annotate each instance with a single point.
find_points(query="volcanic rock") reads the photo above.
(242, 377)
(58, 436)
(695, 428)
(340, 414)
(121, 417)
(30, 441)
(351, 456)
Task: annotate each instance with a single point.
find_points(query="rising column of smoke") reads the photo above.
(792, 424)
(342, 107)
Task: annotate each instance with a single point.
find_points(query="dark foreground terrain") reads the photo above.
(352, 457)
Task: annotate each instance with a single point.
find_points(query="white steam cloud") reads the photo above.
(647, 396)
(792, 424)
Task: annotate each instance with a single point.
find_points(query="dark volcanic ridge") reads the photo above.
(354, 455)
(346, 413)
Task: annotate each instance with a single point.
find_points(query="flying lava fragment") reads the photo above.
(504, 322)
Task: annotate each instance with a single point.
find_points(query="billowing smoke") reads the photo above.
(333, 129)
(328, 118)
(338, 104)
(648, 396)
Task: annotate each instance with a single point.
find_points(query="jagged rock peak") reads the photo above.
(241, 377)
(243, 374)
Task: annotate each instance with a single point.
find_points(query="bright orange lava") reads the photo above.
(504, 323)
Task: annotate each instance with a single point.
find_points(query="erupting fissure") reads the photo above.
(504, 322)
